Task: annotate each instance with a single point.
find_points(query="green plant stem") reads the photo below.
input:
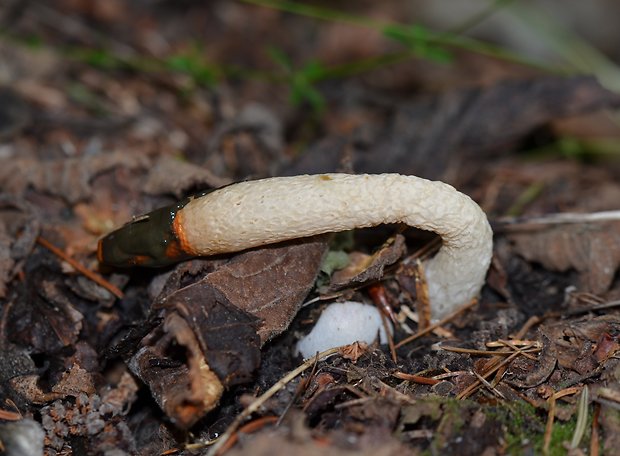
(479, 17)
(435, 38)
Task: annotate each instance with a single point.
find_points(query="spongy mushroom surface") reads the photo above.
(255, 213)
(340, 324)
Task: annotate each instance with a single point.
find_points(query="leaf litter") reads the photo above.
(203, 349)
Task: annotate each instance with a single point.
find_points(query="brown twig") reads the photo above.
(377, 293)
(81, 269)
(519, 335)
(389, 336)
(603, 306)
(531, 322)
(511, 224)
(415, 378)
(10, 416)
(495, 364)
(594, 437)
(441, 322)
(487, 352)
(425, 251)
(551, 414)
(489, 386)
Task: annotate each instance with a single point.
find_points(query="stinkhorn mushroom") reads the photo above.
(255, 213)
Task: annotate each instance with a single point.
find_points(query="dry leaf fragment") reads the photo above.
(271, 283)
(45, 319)
(19, 228)
(174, 176)
(219, 347)
(576, 342)
(591, 249)
(68, 178)
(365, 268)
(73, 382)
(526, 373)
(185, 391)
(22, 437)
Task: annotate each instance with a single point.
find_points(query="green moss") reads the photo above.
(522, 425)
(525, 428)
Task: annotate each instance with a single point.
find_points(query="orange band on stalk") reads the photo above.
(100, 251)
(181, 247)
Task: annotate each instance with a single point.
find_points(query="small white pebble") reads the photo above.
(23, 437)
(7, 151)
(342, 324)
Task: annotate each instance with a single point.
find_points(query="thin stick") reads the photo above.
(524, 352)
(525, 223)
(487, 352)
(549, 424)
(10, 416)
(551, 415)
(492, 369)
(603, 306)
(389, 335)
(594, 436)
(490, 387)
(415, 378)
(531, 322)
(424, 252)
(441, 322)
(81, 269)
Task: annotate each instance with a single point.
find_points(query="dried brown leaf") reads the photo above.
(591, 249)
(575, 342)
(271, 283)
(74, 381)
(27, 386)
(527, 373)
(173, 176)
(185, 391)
(219, 348)
(19, 228)
(225, 334)
(14, 361)
(68, 178)
(365, 268)
(45, 319)
(354, 351)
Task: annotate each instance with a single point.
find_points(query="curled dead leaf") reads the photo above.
(591, 249)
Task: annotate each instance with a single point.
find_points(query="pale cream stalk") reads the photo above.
(254, 213)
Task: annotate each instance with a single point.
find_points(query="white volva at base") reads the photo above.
(343, 323)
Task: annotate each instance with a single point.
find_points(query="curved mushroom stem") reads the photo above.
(255, 213)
